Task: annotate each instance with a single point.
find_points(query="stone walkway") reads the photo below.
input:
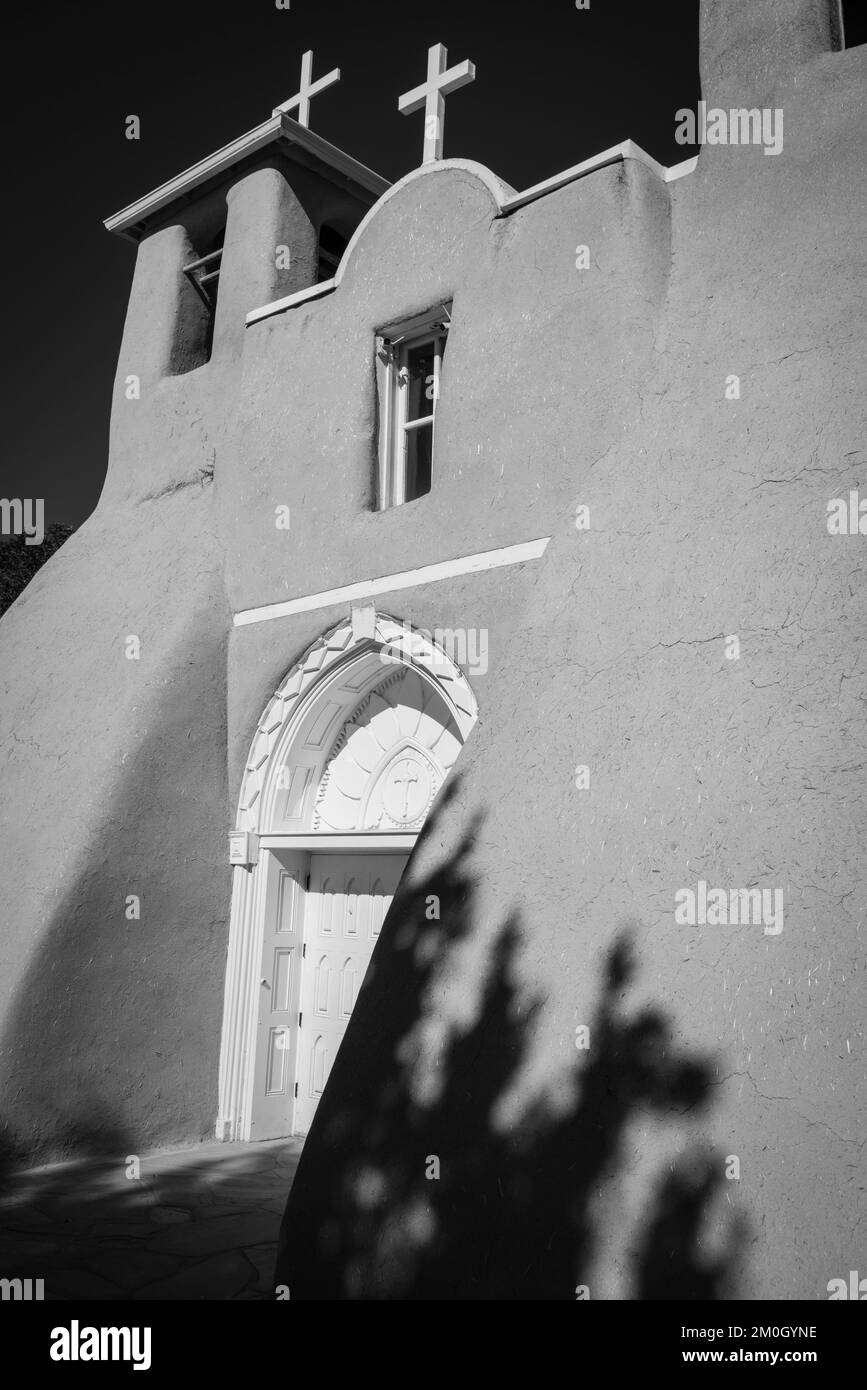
(197, 1223)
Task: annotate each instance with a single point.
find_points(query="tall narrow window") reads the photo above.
(411, 360)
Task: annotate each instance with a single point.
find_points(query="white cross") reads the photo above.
(407, 781)
(308, 89)
(431, 95)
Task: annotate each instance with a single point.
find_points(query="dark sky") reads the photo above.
(553, 86)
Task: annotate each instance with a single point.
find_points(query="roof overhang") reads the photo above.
(288, 138)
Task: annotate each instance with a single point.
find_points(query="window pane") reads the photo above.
(420, 383)
(418, 456)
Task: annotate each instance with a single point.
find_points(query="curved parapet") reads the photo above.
(500, 193)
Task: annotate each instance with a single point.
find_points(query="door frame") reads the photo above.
(352, 643)
(252, 889)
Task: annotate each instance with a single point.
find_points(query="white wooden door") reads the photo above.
(279, 987)
(347, 900)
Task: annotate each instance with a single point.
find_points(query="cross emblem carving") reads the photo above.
(308, 89)
(406, 782)
(431, 95)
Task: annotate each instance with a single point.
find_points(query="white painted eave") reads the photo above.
(280, 130)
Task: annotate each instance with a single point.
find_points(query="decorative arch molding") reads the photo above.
(389, 760)
(356, 740)
(344, 664)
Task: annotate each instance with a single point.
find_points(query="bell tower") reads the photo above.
(240, 228)
(262, 218)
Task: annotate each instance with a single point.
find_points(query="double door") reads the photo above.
(323, 915)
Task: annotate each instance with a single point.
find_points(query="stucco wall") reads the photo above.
(533, 348)
(114, 777)
(114, 785)
(708, 519)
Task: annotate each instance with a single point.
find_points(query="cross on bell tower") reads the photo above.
(308, 89)
(431, 95)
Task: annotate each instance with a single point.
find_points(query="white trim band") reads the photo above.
(391, 841)
(680, 171)
(615, 155)
(391, 583)
(290, 300)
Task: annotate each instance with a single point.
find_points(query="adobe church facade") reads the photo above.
(461, 614)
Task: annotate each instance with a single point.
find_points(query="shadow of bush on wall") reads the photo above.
(510, 1215)
(667, 1266)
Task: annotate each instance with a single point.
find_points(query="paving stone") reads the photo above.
(132, 1212)
(23, 1219)
(288, 1158)
(137, 1231)
(70, 1284)
(249, 1194)
(18, 1245)
(169, 1216)
(275, 1204)
(239, 1163)
(263, 1258)
(199, 1223)
(223, 1233)
(199, 1206)
(132, 1268)
(223, 1209)
(221, 1276)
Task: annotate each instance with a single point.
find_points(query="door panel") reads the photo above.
(348, 898)
(278, 985)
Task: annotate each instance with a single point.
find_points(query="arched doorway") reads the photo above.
(343, 769)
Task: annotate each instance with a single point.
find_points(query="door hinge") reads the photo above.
(300, 1016)
(303, 949)
(296, 1090)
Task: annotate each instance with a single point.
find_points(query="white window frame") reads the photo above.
(393, 349)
